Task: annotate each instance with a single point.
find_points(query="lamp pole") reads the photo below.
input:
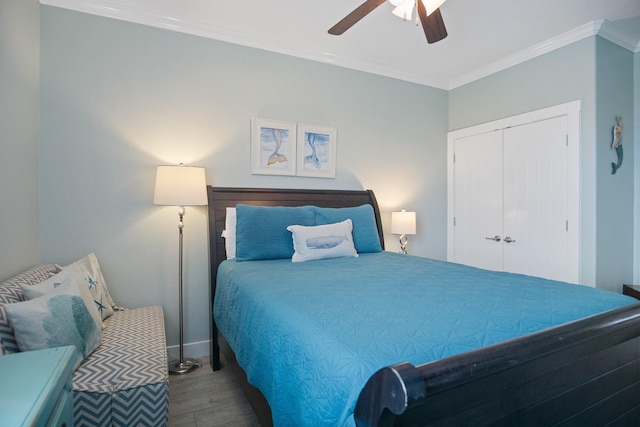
(182, 365)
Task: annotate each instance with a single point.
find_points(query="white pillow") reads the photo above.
(229, 233)
(55, 319)
(92, 276)
(71, 273)
(322, 241)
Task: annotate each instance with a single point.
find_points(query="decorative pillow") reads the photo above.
(73, 273)
(229, 233)
(365, 230)
(322, 241)
(261, 231)
(55, 319)
(10, 292)
(92, 276)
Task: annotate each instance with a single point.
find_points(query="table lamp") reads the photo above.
(403, 223)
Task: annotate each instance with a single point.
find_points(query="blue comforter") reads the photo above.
(310, 334)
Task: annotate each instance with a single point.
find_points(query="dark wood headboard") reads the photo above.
(220, 198)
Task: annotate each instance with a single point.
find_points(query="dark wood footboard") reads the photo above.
(584, 373)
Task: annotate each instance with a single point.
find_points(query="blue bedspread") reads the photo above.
(309, 335)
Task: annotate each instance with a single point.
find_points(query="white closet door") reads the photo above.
(518, 178)
(535, 199)
(478, 200)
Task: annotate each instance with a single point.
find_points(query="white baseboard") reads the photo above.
(194, 350)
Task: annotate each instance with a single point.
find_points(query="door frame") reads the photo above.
(572, 111)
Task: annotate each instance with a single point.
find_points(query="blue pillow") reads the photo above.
(365, 230)
(261, 231)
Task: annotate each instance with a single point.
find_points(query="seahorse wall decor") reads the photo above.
(616, 144)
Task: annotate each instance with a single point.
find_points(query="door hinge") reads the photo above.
(566, 138)
(566, 225)
(454, 221)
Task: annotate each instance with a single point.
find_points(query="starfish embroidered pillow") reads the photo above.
(73, 273)
(93, 278)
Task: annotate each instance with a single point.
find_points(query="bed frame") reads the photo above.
(583, 373)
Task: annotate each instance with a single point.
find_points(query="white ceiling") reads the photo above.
(484, 35)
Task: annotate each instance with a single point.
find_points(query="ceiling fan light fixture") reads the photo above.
(432, 5)
(432, 24)
(403, 9)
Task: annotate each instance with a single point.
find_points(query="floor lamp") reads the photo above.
(180, 186)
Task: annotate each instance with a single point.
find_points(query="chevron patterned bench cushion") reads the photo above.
(125, 381)
(11, 292)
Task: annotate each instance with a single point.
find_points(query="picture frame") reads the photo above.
(316, 151)
(273, 147)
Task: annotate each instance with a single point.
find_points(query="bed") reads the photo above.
(567, 355)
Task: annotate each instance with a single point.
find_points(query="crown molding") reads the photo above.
(610, 32)
(547, 46)
(107, 9)
(119, 12)
(602, 28)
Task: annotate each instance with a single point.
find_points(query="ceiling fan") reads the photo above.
(428, 14)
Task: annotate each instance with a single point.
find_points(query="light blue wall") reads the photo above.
(615, 219)
(19, 56)
(117, 99)
(599, 74)
(563, 75)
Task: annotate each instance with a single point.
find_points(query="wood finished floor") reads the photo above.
(206, 398)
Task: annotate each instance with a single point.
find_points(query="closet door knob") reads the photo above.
(496, 238)
(509, 240)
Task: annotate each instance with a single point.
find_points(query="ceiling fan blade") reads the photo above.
(360, 12)
(433, 25)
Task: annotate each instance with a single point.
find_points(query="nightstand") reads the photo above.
(36, 388)
(631, 290)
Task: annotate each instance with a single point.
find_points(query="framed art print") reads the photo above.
(273, 147)
(316, 151)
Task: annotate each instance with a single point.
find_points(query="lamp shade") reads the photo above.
(180, 186)
(403, 222)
